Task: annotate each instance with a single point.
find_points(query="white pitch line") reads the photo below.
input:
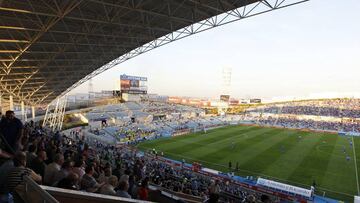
(356, 171)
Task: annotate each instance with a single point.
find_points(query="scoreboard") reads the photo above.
(133, 84)
(255, 101)
(225, 98)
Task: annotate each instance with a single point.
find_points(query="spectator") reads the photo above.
(38, 164)
(15, 176)
(70, 182)
(132, 187)
(12, 130)
(117, 171)
(79, 167)
(214, 191)
(124, 178)
(52, 169)
(5, 152)
(265, 199)
(124, 187)
(5, 168)
(251, 199)
(31, 154)
(109, 187)
(66, 169)
(130, 165)
(104, 176)
(88, 182)
(143, 193)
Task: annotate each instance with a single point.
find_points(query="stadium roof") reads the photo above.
(48, 47)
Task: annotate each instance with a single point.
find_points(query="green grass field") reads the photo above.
(278, 154)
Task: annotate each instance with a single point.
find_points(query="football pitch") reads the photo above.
(289, 156)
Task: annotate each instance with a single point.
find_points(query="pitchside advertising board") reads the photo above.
(133, 84)
(355, 134)
(284, 187)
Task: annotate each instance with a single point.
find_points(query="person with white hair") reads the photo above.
(109, 187)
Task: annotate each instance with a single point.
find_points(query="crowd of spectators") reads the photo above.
(75, 162)
(168, 108)
(329, 114)
(341, 108)
(294, 122)
(135, 131)
(289, 122)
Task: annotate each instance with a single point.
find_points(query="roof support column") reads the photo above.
(22, 111)
(1, 107)
(11, 103)
(33, 112)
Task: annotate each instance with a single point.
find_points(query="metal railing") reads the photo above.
(33, 193)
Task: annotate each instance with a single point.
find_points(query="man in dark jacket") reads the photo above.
(12, 130)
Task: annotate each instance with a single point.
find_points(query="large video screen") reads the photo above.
(225, 98)
(255, 101)
(133, 84)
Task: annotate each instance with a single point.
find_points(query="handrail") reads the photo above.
(45, 196)
(176, 195)
(88, 196)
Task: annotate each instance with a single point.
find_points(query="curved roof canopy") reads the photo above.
(48, 46)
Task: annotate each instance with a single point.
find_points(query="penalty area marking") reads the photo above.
(356, 171)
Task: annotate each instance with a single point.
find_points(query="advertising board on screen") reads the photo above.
(255, 101)
(225, 98)
(133, 84)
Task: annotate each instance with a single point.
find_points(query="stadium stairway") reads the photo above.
(108, 132)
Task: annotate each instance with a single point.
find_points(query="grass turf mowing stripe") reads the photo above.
(339, 174)
(225, 144)
(212, 135)
(314, 160)
(270, 154)
(222, 167)
(315, 165)
(357, 151)
(228, 136)
(356, 171)
(180, 145)
(253, 149)
(221, 153)
(306, 160)
(288, 161)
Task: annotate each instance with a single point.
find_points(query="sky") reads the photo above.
(303, 51)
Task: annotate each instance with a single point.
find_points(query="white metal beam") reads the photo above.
(222, 19)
